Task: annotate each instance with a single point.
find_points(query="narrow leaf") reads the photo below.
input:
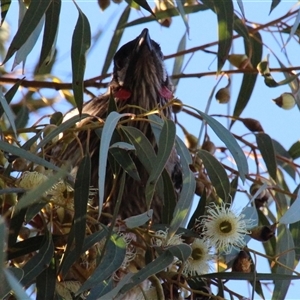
(15, 285)
(9, 114)
(166, 144)
(112, 260)
(126, 162)
(177, 68)
(230, 142)
(81, 42)
(265, 145)
(139, 220)
(10, 94)
(81, 197)
(115, 41)
(144, 4)
(224, 11)
(108, 130)
(287, 258)
(27, 155)
(274, 4)
(46, 282)
(39, 261)
(30, 21)
(50, 32)
(183, 15)
(294, 151)
(252, 45)
(216, 173)
(27, 47)
(182, 251)
(292, 215)
(152, 268)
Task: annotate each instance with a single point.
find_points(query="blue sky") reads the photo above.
(281, 125)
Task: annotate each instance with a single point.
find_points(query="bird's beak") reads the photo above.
(144, 40)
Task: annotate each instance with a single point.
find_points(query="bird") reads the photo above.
(139, 83)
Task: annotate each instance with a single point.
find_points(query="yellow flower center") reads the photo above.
(225, 227)
(197, 254)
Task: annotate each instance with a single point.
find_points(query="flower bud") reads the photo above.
(176, 106)
(19, 164)
(285, 101)
(48, 129)
(242, 263)
(103, 4)
(262, 198)
(209, 147)
(241, 61)
(252, 124)
(223, 95)
(263, 233)
(191, 142)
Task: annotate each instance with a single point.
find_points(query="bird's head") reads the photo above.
(139, 74)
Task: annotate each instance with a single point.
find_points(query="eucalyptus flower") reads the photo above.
(223, 228)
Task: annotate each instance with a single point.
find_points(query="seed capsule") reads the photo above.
(242, 263)
(252, 124)
(285, 101)
(209, 147)
(191, 142)
(176, 106)
(19, 164)
(223, 95)
(263, 233)
(241, 61)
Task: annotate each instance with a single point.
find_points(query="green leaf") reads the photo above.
(225, 13)
(166, 144)
(170, 198)
(39, 261)
(46, 282)
(27, 155)
(252, 45)
(9, 285)
(4, 5)
(16, 287)
(112, 260)
(177, 67)
(114, 292)
(180, 8)
(182, 251)
(81, 197)
(292, 214)
(34, 14)
(230, 142)
(144, 4)
(89, 241)
(3, 238)
(152, 268)
(115, 41)
(251, 276)
(9, 114)
(10, 94)
(50, 32)
(124, 159)
(81, 42)
(61, 128)
(285, 250)
(26, 48)
(266, 148)
(216, 173)
(284, 164)
(107, 132)
(183, 206)
(144, 149)
(294, 151)
(139, 220)
(274, 4)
